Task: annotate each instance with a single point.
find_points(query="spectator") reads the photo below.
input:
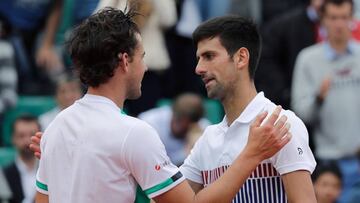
(284, 38)
(68, 90)
(174, 123)
(325, 86)
(24, 21)
(327, 183)
(21, 174)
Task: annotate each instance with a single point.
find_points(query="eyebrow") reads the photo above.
(206, 53)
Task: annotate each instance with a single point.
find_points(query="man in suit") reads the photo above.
(21, 174)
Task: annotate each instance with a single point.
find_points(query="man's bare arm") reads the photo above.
(41, 198)
(299, 187)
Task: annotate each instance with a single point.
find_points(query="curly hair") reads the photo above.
(95, 44)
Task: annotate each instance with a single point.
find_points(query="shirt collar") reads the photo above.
(331, 53)
(102, 99)
(251, 111)
(23, 169)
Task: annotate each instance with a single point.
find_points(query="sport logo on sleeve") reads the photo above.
(162, 165)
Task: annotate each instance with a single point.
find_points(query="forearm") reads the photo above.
(226, 187)
(52, 24)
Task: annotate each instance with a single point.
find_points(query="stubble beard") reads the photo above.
(215, 92)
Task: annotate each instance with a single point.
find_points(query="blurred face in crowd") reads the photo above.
(67, 93)
(327, 188)
(137, 68)
(216, 68)
(23, 130)
(336, 20)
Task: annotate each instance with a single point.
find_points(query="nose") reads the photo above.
(200, 69)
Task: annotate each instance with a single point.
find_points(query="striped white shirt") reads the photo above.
(221, 144)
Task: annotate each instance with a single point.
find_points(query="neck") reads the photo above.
(236, 102)
(110, 92)
(340, 46)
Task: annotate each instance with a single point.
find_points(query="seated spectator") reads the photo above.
(21, 174)
(327, 181)
(68, 90)
(173, 123)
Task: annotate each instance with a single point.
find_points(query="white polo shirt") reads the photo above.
(220, 145)
(93, 153)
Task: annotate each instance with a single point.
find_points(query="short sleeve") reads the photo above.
(296, 155)
(191, 168)
(41, 175)
(146, 159)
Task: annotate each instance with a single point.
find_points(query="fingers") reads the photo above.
(284, 140)
(274, 116)
(35, 148)
(283, 131)
(259, 119)
(35, 140)
(280, 126)
(37, 155)
(38, 134)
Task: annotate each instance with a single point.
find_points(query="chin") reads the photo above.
(134, 96)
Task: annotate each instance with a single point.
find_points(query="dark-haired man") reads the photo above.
(228, 52)
(92, 153)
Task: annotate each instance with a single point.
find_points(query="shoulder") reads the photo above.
(297, 126)
(312, 51)
(140, 129)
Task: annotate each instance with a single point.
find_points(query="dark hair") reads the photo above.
(337, 3)
(330, 167)
(234, 32)
(29, 118)
(96, 43)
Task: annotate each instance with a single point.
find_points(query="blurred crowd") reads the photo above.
(310, 64)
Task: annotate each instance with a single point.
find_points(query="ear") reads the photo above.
(123, 61)
(241, 58)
